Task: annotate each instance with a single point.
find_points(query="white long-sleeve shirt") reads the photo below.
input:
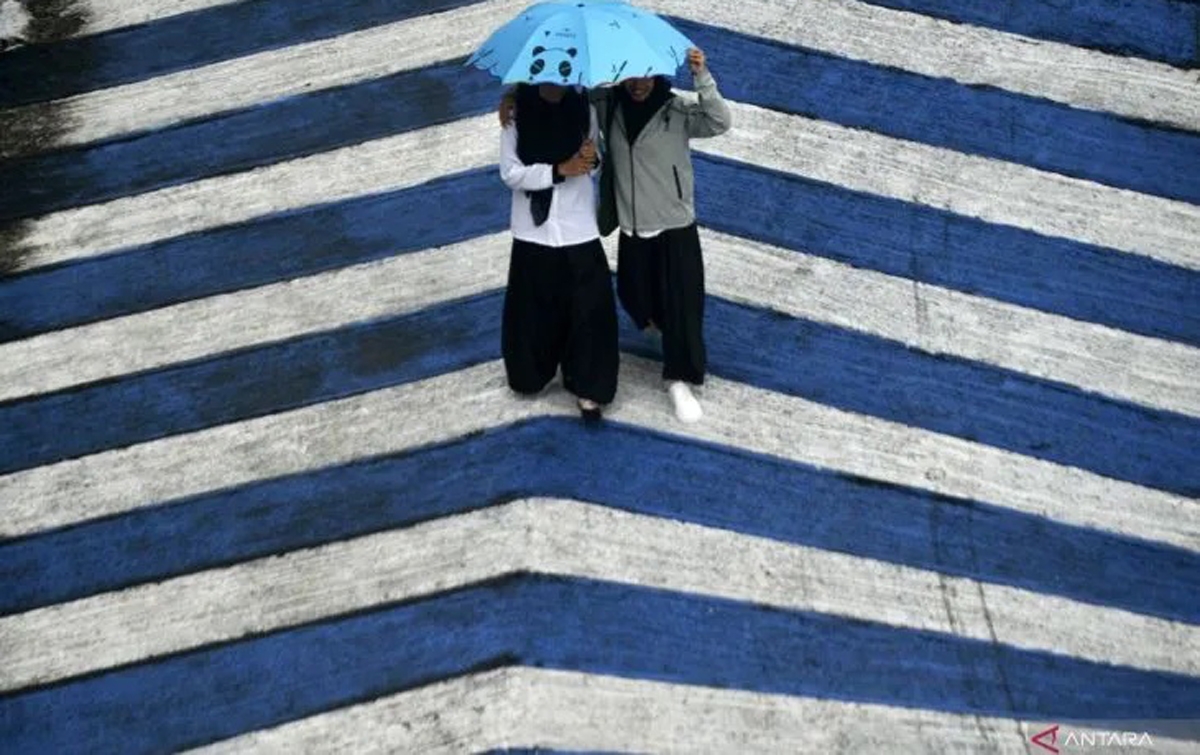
(572, 217)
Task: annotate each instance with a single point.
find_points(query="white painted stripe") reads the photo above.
(106, 15)
(568, 539)
(524, 707)
(968, 54)
(742, 416)
(994, 190)
(322, 435)
(267, 76)
(1099, 359)
(252, 317)
(1154, 373)
(260, 596)
(856, 30)
(376, 166)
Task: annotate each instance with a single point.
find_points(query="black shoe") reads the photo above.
(591, 413)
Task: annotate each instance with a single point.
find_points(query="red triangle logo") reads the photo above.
(1051, 734)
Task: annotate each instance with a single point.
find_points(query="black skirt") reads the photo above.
(559, 310)
(661, 282)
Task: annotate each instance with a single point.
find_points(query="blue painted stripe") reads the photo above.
(973, 119)
(934, 246)
(1060, 276)
(249, 383)
(44, 72)
(279, 247)
(1001, 408)
(282, 130)
(572, 625)
(853, 371)
(1165, 30)
(711, 485)
(983, 121)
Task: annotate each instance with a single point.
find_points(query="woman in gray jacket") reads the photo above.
(660, 269)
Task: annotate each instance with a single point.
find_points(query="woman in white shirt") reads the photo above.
(559, 308)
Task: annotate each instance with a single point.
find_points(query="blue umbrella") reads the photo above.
(584, 42)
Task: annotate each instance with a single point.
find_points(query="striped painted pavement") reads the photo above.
(264, 488)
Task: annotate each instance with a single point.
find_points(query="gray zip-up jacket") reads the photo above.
(655, 184)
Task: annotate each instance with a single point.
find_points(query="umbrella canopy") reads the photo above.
(584, 42)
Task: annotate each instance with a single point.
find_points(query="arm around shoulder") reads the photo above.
(517, 175)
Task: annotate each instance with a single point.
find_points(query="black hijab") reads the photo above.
(638, 114)
(549, 132)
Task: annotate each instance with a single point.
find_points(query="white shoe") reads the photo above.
(687, 408)
(590, 411)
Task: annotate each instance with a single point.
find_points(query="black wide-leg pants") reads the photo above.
(559, 310)
(661, 281)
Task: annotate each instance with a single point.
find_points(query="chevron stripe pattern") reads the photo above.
(263, 487)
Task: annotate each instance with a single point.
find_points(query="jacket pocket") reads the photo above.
(678, 186)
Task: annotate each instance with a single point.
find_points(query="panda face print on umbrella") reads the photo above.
(588, 43)
(543, 57)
